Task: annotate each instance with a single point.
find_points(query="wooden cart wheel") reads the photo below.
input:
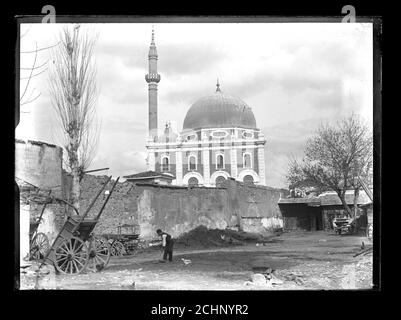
(71, 256)
(39, 246)
(117, 248)
(369, 231)
(99, 253)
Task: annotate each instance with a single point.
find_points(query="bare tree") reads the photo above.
(27, 73)
(73, 93)
(334, 157)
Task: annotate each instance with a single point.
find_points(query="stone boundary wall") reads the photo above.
(180, 209)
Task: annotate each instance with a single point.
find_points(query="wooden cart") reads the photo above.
(343, 225)
(76, 247)
(125, 241)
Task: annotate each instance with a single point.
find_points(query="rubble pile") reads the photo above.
(206, 238)
(357, 275)
(33, 276)
(363, 274)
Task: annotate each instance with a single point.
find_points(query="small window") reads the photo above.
(220, 161)
(165, 164)
(247, 161)
(219, 181)
(219, 134)
(247, 134)
(191, 137)
(193, 182)
(192, 162)
(248, 180)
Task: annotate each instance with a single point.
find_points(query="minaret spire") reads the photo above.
(218, 86)
(152, 78)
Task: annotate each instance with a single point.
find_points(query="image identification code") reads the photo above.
(207, 309)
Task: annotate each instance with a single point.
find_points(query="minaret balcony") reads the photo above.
(152, 77)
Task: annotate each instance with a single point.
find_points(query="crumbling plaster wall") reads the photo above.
(258, 206)
(180, 209)
(52, 218)
(38, 165)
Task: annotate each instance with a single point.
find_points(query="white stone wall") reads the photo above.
(24, 232)
(178, 167)
(234, 167)
(261, 159)
(233, 162)
(206, 166)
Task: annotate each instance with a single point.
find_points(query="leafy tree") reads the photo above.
(334, 157)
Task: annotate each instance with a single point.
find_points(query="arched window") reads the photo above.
(193, 182)
(192, 162)
(220, 161)
(247, 160)
(219, 181)
(165, 164)
(248, 179)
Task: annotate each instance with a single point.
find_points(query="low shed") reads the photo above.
(301, 213)
(317, 213)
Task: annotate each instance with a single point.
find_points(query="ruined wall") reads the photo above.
(120, 209)
(174, 209)
(257, 206)
(52, 218)
(38, 163)
(180, 209)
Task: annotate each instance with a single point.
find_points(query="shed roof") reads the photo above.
(327, 199)
(149, 175)
(332, 199)
(308, 201)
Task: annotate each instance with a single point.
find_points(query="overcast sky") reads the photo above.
(292, 75)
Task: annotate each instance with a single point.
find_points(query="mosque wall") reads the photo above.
(200, 163)
(255, 160)
(227, 157)
(172, 161)
(185, 158)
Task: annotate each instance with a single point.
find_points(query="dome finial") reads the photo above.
(218, 86)
(153, 35)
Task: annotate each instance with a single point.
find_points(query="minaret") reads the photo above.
(218, 86)
(152, 78)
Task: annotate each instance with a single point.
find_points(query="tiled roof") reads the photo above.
(331, 199)
(149, 174)
(327, 199)
(311, 201)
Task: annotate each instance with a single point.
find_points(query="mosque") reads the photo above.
(219, 139)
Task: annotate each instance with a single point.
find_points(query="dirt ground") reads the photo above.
(300, 260)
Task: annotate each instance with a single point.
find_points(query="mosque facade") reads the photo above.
(219, 139)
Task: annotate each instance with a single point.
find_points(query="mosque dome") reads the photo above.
(219, 111)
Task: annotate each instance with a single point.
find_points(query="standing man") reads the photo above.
(167, 243)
